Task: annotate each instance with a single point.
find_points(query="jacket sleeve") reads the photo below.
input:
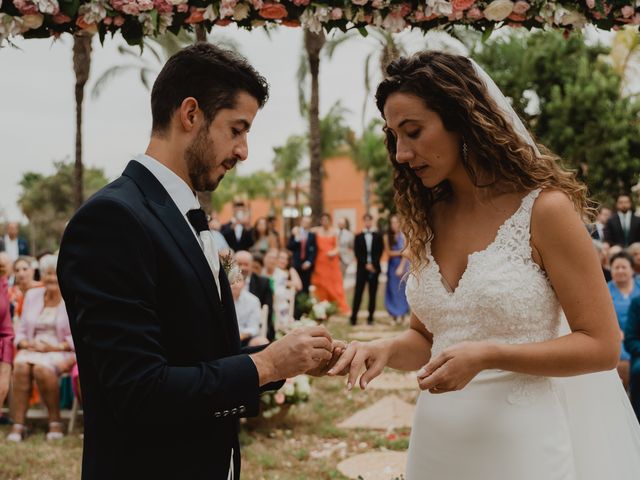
(632, 329)
(108, 273)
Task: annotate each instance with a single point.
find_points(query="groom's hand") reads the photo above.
(302, 350)
(338, 348)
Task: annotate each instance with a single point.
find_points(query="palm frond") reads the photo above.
(337, 40)
(108, 76)
(302, 75)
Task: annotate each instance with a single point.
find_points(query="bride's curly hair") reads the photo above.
(449, 86)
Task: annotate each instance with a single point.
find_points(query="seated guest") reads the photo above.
(6, 330)
(286, 283)
(257, 285)
(623, 289)
(270, 263)
(45, 351)
(248, 312)
(632, 345)
(24, 279)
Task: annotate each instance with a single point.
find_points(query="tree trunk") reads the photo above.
(313, 43)
(201, 33)
(81, 67)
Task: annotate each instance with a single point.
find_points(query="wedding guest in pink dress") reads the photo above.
(45, 351)
(6, 330)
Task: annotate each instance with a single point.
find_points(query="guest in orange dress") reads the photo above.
(24, 272)
(327, 277)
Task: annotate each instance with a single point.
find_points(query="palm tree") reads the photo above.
(313, 43)
(625, 57)
(287, 166)
(387, 48)
(81, 67)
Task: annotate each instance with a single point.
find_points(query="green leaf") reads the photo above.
(363, 31)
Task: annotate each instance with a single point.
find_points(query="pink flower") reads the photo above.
(455, 15)
(336, 14)
(406, 9)
(516, 17)
(183, 7)
(118, 21)
(290, 23)
(475, 14)
(60, 18)
(521, 7)
(196, 16)
(131, 9)
(591, 3)
(257, 4)
(25, 7)
(273, 11)
(162, 6)
(627, 11)
(106, 21)
(301, 3)
(145, 5)
(360, 3)
(89, 27)
(279, 398)
(460, 5)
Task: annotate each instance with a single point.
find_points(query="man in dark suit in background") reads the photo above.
(597, 229)
(164, 380)
(237, 232)
(259, 285)
(302, 244)
(623, 228)
(368, 247)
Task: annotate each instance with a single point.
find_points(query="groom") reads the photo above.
(164, 380)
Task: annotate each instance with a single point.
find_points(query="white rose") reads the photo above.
(498, 10)
(50, 7)
(241, 11)
(210, 13)
(176, 2)
(565, 17)
(32, 22)
(319, 311)
(310, 22)
(289, 389)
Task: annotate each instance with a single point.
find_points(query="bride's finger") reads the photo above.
(437, 379)
(434, 364)
(356, 367)
(372, 372)
(344, 361)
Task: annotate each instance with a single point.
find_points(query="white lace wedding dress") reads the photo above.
(503, 425)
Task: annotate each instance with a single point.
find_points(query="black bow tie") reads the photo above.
(198, 220)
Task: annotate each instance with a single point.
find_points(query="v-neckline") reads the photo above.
(448, 288)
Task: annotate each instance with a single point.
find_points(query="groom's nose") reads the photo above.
(241, 150)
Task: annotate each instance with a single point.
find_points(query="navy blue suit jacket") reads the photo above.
(163, 378)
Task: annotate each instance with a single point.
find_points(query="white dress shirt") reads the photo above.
(11, 248)
(248, 311)
(368, 240)
(625, 221)
(185, 200)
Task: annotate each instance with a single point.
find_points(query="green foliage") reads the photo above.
(581, 114)
(47, 201)
(259, 184)
(334, 132)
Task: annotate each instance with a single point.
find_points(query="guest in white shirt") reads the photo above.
(248, 312)
(14, 245)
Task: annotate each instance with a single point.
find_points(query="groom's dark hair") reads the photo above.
(209, 74)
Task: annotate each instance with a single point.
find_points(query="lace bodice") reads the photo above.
(503, 295)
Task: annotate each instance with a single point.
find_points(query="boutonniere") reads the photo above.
(228, 263)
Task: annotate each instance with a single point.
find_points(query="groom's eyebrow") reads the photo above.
(245, 124)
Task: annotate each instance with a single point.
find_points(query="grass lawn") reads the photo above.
(307, 444)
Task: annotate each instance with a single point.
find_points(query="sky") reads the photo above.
(37, 108)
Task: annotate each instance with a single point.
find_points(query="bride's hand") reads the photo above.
(370, 356)
(454, 367)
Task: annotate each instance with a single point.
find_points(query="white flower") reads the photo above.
(319, 311)
(394, 23)
(9, 26)
(50, 7)
(323, 13)
(93, 12)
(210, 13)
(498, 10)
(441, 8)
(566, 17)
(166, 19)
(310, 22)
(289, 389)
(257, 23)
(148, 25)
(176, 2)
(241, 11)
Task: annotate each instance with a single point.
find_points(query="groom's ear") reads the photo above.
(189, 114)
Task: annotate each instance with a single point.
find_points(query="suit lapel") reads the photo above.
(167, 212)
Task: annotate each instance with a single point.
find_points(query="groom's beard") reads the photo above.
(202, 161)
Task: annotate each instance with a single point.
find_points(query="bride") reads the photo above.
(499, 257)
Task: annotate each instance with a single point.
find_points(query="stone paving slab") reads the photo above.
(374, 465)
(386, 414)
